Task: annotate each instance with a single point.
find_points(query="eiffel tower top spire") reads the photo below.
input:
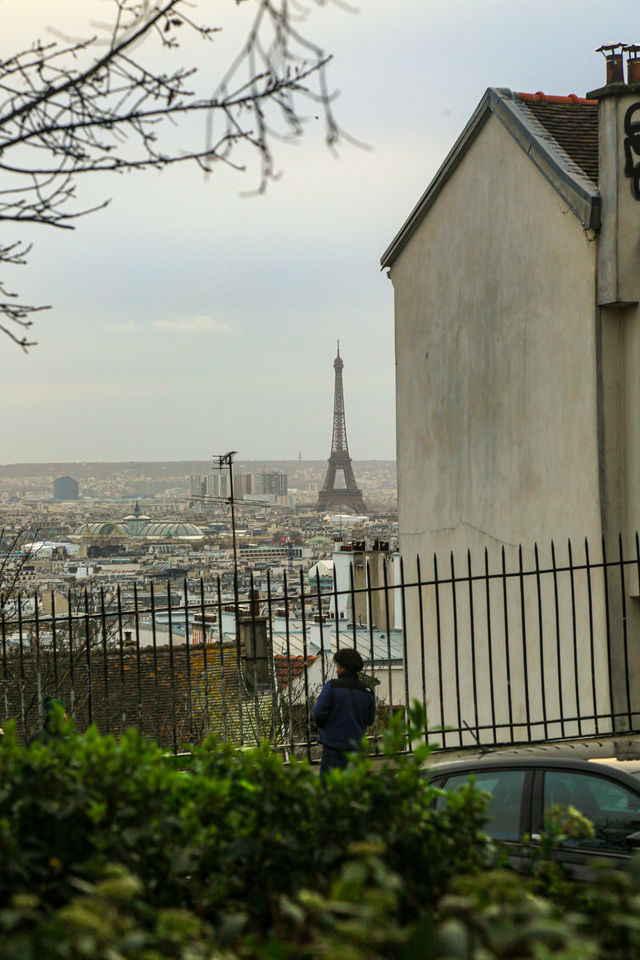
(339, 436)
(339, 459)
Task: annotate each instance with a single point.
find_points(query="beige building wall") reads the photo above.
(497, 433)
(496, 361)
(618, 293)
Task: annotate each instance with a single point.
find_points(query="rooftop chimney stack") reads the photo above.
(612, 53)
(618, 247)
(633, 62)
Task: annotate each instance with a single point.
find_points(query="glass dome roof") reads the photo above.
(101, 528)
(141, 528)
(170, 529)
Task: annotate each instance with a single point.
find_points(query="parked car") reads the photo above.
(521, 788)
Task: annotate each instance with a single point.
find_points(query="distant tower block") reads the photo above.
(349, 495)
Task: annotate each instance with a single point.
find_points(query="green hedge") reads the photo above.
(107, 851)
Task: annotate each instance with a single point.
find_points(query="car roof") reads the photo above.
(628, 766)
(625, 771)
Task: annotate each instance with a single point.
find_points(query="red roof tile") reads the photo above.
(549, 98)
(288, 668)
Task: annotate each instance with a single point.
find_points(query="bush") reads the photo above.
(228, 838)
(109, 851)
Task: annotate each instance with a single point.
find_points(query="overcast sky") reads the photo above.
(188, 319)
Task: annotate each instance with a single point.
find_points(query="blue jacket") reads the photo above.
(343, 711)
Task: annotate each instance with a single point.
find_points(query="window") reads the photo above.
(613, 809)
(503, 809)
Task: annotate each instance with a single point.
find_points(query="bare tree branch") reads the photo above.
(99, 104)
(10, 563)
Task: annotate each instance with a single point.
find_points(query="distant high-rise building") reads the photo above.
(275, 483)
(65, 488)
(198, 487)
(243, 484)
(219, 485)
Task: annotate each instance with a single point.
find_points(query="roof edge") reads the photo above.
(564, 175)
(451, 161)
(577, 190)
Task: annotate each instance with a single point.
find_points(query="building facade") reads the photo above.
(65, 488)
(516, 283)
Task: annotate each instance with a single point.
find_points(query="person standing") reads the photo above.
(343, 711)
(54, 714)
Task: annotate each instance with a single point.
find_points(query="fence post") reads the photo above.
(405, 656)
(72, 691)
(54, 642)
(474, 676)
(174, 720)
(507, 651)
(87, 638)
(187, 652)
(123, 689)
(525, 658)
(487, 590)
(105, 663)
(436, 587)
(556, 603)
(136, 615)
(543, 692)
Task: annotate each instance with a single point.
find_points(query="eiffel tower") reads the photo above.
(349, 495)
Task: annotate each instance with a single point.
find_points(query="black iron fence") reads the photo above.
(517, 647)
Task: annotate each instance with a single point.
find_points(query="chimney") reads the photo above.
(633, 63)
(253, 637)
(618, 249)
(612, 53)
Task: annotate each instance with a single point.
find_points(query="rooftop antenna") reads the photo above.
(226, 459)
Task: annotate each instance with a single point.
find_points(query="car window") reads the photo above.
(503, 809)
(613, 809)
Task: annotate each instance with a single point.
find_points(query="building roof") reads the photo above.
(558, 134)
(140, 528)
(288, 668)
(169, 529)
(323, 568)
(572, 122)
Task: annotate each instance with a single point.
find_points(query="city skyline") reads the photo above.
(187, 319)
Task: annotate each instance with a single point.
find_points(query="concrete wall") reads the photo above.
(618, 293)
(498, 437)
(496, 361)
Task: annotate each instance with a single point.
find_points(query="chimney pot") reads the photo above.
(612, 53)
(633, 63)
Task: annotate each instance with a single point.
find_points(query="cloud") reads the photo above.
(123, 327)
(201, 324)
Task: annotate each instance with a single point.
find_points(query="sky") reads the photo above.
(188, 319)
